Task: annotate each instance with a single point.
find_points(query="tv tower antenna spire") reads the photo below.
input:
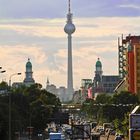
(69, 7)
(69, 30)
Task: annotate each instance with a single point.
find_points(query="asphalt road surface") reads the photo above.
(105, 137)
(111, 137)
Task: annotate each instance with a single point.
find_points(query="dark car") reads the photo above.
(68, 131)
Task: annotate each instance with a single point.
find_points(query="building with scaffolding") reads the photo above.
(129, 62)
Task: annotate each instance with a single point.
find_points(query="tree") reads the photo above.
(3, 86)
(3, 120)
(124, 102)
(103, 98)
(29, 106)
(108, 108)
(125, 97)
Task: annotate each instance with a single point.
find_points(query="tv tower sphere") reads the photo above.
(69, 27)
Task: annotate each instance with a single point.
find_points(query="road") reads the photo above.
(105, 137)
(111, 137)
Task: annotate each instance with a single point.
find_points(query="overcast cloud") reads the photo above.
(58, 8)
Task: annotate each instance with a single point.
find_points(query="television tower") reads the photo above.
(69, 29)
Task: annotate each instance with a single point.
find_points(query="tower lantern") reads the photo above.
(98, 65)
(29, 74)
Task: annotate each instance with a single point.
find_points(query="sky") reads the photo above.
(35, 29)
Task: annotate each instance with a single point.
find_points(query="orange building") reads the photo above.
(129, 62)
(130, 69)
(137, 68)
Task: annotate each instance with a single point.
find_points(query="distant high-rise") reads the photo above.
(122, 58)
(69, 29)
(29, 74)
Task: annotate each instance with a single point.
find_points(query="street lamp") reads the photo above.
(11, 78)
(14, 74)
(2, 71)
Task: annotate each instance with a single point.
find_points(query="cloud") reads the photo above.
(131, 6)
(58, 8)
(36, 29)
(13, 59)
(44, 41)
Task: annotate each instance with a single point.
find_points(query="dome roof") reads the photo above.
(98, 63)
(28, 64)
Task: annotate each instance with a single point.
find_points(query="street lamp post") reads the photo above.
(2, 71)
(10, 102)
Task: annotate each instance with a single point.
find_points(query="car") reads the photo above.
(101, 131)
(110, 131)
(122, 135)
(93, 124)
(68, 131)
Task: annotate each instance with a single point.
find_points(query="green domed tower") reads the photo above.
(29, 74)
(29, 65)
(98, 65)
(98, 76)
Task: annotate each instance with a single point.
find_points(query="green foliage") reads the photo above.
(88, 108)
(103, 98)
(108, 108)
(30, 106)
(117, 124)
(125, 124)
(125, 97)
(3, 86)
(122, 127)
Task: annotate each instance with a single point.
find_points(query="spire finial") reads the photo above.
(69, 6)
(48, 81)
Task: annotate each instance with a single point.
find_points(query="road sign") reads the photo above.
(135, 121)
